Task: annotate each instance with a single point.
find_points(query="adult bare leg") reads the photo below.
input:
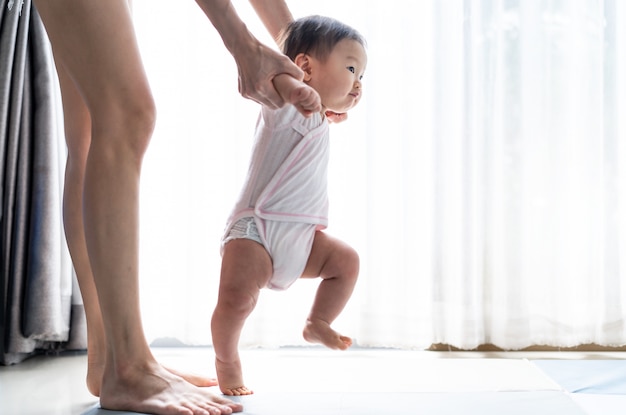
(95, 44)
(338, 266)
(78, 137)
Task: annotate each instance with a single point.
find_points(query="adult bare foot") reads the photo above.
(193, 378)
(230, 379)
(150, 388)
(95, 369)
(319, 331)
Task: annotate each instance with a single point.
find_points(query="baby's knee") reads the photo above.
(236, 302)
(350, 262)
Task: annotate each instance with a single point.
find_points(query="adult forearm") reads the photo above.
(257, 64)
(229, 25)
(274, 14)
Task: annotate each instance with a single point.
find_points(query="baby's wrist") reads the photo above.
(284, 85)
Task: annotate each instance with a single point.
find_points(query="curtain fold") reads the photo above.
(37, 300)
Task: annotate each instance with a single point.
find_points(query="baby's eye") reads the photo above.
(351, 69)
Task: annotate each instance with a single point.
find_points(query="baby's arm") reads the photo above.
(302, 96)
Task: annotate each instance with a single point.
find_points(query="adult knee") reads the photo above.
(139, 119)
(125, 126)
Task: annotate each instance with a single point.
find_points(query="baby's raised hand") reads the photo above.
(336, 117)
(295, 92)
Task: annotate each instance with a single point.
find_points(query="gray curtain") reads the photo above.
(40, 309)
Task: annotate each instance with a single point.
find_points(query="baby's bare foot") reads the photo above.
(152, 389)
(230, 378)
(319, 331)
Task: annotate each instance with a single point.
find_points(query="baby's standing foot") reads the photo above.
(319, 331)
(230, 379)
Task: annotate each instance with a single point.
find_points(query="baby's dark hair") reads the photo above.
(316, 36)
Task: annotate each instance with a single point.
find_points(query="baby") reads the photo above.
(275, 233)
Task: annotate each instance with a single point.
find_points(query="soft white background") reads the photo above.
(481, 178)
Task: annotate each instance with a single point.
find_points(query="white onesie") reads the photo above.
(286, 189)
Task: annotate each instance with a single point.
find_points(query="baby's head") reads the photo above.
(332, 56)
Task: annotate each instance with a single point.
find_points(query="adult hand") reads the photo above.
(257, 64)
(258, 69)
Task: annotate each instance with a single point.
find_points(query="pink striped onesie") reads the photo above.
(286, 189)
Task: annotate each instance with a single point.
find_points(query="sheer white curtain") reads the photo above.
(529, 193)
(481, 179)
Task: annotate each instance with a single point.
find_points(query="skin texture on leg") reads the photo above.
(246, 268)
(338, 266)
(78, 138)
(77, 123)
(94, 44)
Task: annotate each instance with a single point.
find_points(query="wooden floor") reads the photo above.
(307, 381)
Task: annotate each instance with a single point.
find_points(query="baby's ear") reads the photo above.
(304, 62)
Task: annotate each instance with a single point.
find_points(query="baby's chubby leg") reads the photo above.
(303, 97)
(338, 266)
(246, 268)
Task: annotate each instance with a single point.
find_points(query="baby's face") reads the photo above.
(338, 80)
